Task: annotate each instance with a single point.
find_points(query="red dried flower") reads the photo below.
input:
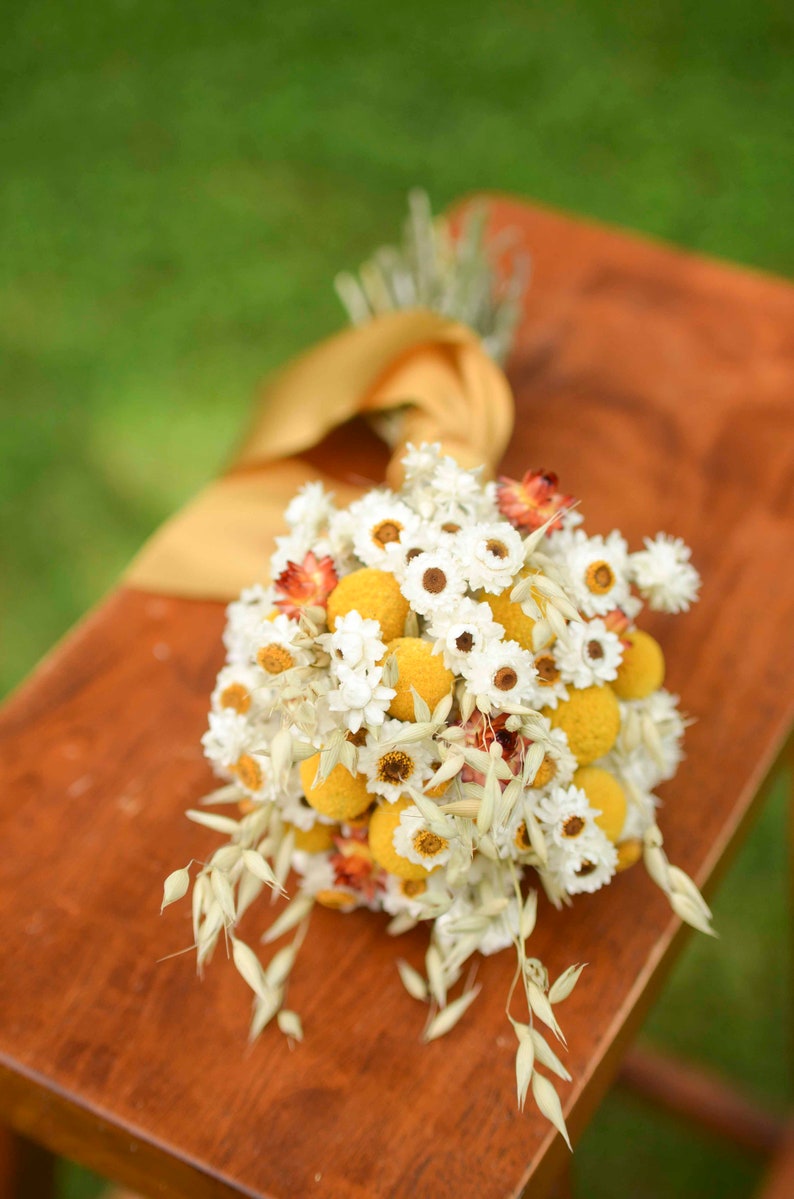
(529, 502)
(354, 867)
(305, 585)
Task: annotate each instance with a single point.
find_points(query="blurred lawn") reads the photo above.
(179, 186)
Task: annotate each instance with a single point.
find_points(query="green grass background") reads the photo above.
(179, 184)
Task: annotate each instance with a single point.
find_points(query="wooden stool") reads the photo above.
(659, 386)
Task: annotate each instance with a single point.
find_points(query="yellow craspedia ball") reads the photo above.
(342, 796)
(316, 839)
(375, 594)
(590, 718)
(336, 899)
(629, 853)
(384, 821)
(642, 670)
(417, 667)
(516, 624)
(605, 794)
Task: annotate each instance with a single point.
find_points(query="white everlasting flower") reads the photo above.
(589, 654)
(392, 767)
(460, 630)
(310, 511)
(558, 758)
(565, 815)
(355, 642)
(502, 673)
(315, 870)
(227, 737)
(277, 646)
(433, 582)
(664, 575)
(585, 865)
(406, 894)
(243, 618)
(597, 569)
(454, 487)
(379, 520)
(229, 744)
(502, 929)
(424, 846)
(239, 687)
(493, 555)
(419, 463)
(359, 697)
(548, 688)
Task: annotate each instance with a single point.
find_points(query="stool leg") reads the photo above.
(26, 1170)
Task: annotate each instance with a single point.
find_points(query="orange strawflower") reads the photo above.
(305, 585)
(529, 502)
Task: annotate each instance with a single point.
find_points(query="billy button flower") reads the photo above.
(590, 718)
(418, 667)
(606, 796)
(375, 595)
(341, 796)
(642, 670)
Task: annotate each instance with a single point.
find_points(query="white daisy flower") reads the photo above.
(597, 569)
(239, 687)
(559, 764)
(664, 575)
(548, 687)
(424, 846)
(243, 618)
(459, 631)
(355, 642)
(277, 646)
(502, 929)
(502, 673)
(493, 556)
(359, 696)
(589, 654)
(394, 768)
(433, 582)
(379, 520)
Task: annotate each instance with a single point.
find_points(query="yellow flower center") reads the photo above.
(386, 532)
(236, 696)
(249, 772)
(411, 887)
(464, 643)
(394, 767)
(546, 772)
(275, 659)
(521, 838)
(429, 844)
(505, 678)
(572, 826)
(434, 580)
(600, 578)
(547, 669)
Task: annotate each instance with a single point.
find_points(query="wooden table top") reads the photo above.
(660, 387)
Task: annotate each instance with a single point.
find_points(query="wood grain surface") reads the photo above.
(660, 387)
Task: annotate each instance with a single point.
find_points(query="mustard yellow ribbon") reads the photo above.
(419, 378)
